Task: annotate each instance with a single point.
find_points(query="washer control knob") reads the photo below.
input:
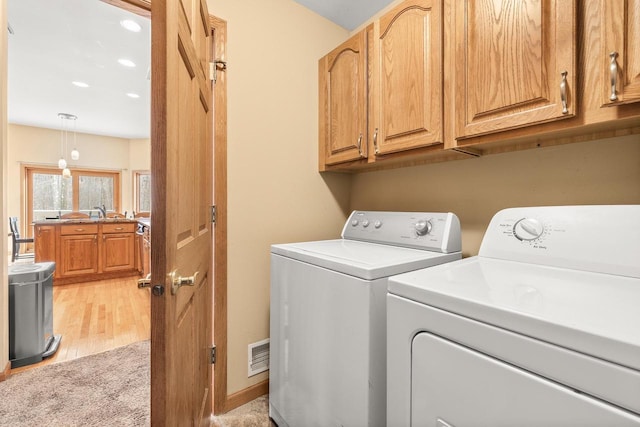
(528, 229)
(423, 227)
(354, 222)
(365, 223)
(377, 224)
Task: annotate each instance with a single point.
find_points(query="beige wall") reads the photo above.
(139, 155)
(4, 287)
(275, 193)
(597, 172)
(41, 146)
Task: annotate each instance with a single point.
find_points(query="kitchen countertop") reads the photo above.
(87, 220)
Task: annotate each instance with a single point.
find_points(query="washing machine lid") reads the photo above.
(368, 261)
(592, 313)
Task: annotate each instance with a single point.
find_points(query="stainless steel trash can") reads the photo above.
(31, 337)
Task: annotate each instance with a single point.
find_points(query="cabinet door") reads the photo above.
(407, 77)
(78, 254)
(343, 99)
(118, 252)
(514, 64)
(621, 56)
(45, 243)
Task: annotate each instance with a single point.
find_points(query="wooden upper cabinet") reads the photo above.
(514, 64)
(343, 101)
(407, 85)
(621, 51)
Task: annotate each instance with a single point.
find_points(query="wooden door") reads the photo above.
(181, 145)
(621, 55)
(343, 101)
(407, 83)
(510, 62)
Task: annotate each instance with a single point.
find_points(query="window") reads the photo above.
(142, 191)
(49, 195)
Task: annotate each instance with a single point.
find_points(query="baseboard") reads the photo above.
(7, 372)
(247, 395)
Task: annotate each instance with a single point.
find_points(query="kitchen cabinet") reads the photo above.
(87, 250)
(407, 86)
(454, 79)
(620, 55)
(78, 250)
(118, 247)
(513, 64)
(45, 243)
(343, 100)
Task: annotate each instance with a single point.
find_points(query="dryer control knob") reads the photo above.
(377, 224)
(354, 222)
(528, 229)
(365, 223)
(423, 227)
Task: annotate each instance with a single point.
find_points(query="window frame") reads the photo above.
(136, 188)
(29, 170)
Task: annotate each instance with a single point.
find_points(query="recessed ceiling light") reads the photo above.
(126, 62)
(133, 95)
(80, 84)
(131, 25)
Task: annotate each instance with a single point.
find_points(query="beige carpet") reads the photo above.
(105, 389)
(253, 414)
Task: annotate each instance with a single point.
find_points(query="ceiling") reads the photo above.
(347, 13)
(57, 42)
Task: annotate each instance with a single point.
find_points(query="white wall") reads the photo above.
(275, 193)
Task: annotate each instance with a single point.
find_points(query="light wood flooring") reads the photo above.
(97, 316)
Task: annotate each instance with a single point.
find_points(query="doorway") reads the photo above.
(142, 8)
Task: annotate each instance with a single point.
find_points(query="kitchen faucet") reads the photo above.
(102, 210)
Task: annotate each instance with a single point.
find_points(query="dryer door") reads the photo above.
(455, 386)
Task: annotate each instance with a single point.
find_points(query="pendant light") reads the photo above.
(64, 137)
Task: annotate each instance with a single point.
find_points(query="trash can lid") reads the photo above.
(35, 271)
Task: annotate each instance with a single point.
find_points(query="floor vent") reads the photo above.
(258, 357)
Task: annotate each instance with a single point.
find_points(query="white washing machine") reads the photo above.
(328, 315)
(542, 328)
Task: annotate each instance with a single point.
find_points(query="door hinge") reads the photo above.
(214, 214)
(214, 67)
(213, 354)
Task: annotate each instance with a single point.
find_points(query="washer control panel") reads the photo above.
(592, 238)
(433, 231)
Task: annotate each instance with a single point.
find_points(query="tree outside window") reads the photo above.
(49, 195)
(142, 190)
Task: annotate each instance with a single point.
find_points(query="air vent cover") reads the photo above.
(258, 357)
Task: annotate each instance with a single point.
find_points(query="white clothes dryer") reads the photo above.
(328, 314)
(542, 328)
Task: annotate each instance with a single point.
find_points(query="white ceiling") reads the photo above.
(56, 42)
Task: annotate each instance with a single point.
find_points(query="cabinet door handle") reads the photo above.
(375, 142)
(563, 92)
(613, 72)
(79, 230)
(95, 239)
(360, 144)
(119, 228)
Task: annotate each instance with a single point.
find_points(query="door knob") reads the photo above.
(178, 281)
